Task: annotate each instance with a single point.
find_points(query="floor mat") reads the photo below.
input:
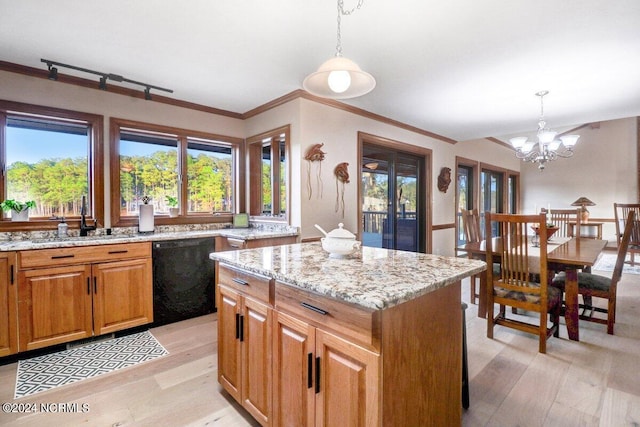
(608, 261)
(65, 367)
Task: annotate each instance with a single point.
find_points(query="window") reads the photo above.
(465, 192)
(196, 171)
(52, 157)
(268, 153)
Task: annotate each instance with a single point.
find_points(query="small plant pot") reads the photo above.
(173, 212)
(23, 215)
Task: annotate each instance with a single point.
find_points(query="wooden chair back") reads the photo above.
(621, 212)
(561, 218)
(631, 228)
(471, 225)
(516, 268)
(514, 286)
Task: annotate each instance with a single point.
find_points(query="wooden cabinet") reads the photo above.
(8, 304)
(223, 243)
(335, 363)
(321, 379)
(63, 298)
(244, 340)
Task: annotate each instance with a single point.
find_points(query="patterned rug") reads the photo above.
(608, 261)
(65, 367)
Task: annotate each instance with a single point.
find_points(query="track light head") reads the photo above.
(53, 72)
(103, 83)
(147, 93)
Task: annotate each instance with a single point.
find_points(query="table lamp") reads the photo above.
(584, 213)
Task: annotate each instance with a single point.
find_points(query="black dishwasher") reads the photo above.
(183, 279)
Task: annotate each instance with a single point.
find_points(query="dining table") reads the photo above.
(563, 254)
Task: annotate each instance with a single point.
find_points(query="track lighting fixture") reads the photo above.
(53, 72)
(102, 84)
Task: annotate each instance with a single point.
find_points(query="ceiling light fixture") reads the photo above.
(102, 84)
(53, 72)
(340, 77)
(547, 148)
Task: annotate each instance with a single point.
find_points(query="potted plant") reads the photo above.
(173, 206)
(19, 210)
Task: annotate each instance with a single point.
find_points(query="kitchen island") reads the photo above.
(372, 339)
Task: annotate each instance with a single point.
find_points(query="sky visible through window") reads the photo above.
(31, 146)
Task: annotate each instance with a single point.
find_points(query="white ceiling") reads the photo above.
(463, 69)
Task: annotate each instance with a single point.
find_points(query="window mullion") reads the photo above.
(183, 176)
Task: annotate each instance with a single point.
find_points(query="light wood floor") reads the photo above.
(594, 382)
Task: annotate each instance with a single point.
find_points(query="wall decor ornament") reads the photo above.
(314, 154)
(342, 177)
(444, 179)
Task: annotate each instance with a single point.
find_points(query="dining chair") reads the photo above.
(561, 219)
(593, 285)
(621, 212)
(471, 227)
(513, 286)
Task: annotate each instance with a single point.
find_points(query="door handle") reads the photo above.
(88, 286)
(317, 375)
(95, 284)
(309, 370)
(237, 325)
(241, 328)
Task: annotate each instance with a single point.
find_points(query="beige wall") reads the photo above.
(314, 123)
(603, 169)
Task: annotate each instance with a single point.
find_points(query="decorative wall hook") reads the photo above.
(444, 179)
(342, 176)
(314, 154)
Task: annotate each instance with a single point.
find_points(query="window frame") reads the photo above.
(95, 162)
(254, 160)
(183, 135)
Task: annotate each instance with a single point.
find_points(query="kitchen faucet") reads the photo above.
(83, 219)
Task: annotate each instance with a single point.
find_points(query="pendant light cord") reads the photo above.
(341, 12)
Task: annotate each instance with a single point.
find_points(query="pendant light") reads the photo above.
(339, 77)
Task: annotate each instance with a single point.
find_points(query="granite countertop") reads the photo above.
(373, 278)
(55, 242)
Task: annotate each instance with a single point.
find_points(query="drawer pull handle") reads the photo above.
(240, 281)
(62, 256)
(313, 308)
(124, 251)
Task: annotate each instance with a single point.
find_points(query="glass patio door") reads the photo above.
(393, 210)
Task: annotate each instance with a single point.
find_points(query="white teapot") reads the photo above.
(339, 242)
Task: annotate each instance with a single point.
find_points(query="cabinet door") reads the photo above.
(293, 367)
(256, 343)
(349, 383)
(8, 305)
(229, 356)
(123, 295)
(54, 306)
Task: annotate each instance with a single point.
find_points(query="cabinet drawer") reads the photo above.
(347, 320)
(246, 283)
(82, 254)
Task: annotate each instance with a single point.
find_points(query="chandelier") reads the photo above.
(547, 148)
(340, 77)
